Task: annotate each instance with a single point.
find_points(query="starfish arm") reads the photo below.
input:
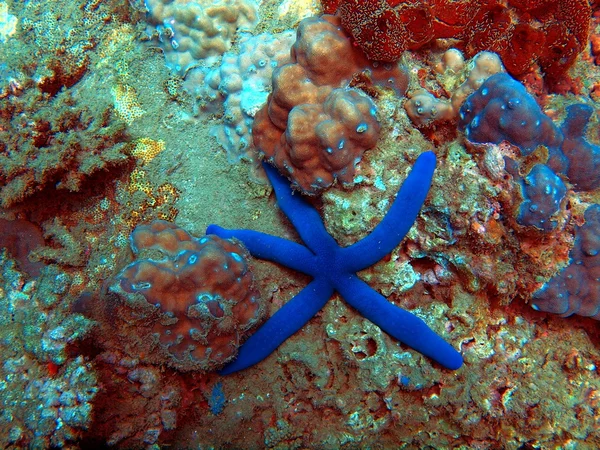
(285, 322)
(398, 220)
(271, 248)
(398, 323)
(304, 217)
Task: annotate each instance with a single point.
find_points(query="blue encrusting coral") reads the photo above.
(334, 268)
(583, 157)
(502, 110)
(542, 192)
(576, 288)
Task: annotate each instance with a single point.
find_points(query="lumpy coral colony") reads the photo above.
(522, 32)
(434, 157)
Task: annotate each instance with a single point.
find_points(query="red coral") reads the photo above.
(199, 294)
(550, 33)
(330, 6)
(384, 32)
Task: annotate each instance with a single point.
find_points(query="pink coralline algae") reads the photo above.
(315, 127)
(199, 296)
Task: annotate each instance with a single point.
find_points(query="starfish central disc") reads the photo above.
(333, 269)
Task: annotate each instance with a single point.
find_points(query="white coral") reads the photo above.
(239, 87)
(192, 31)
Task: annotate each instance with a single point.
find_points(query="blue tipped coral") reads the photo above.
(502, 110)
(334, 268)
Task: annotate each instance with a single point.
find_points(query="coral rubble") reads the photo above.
(46, 395)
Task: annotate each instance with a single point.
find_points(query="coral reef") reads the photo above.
(542, 191)
(58, 142)
(20, 238)
(424, 108)
(314, 128)
(193, 31)
(45, 395)
(576, 288)
(334, 269)
(239, 87)
(583, 156)
(502, 110)
(37, 317)
(523, 33)
(504, 226)
(383, 30)
(459, 79)
(56, 131)
(198, 296)
(130, 387)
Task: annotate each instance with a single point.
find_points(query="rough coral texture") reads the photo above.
(36, 315)
(315, 128)
(502, 110)
(383, 29)
(58, 128)
(524, 33)
(192, 31)
(239, 87)
(576, 288)
(530, 380)
(62, 143)
(45, 394)
(198, 292)
(457, 77)
(140, 387)
(542, 191)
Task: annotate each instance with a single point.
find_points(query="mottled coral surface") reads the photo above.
(467, 267)
(46, 393)
(576, 288)
(523, 32)
(202, 292)
(56, 132)
(315, 127)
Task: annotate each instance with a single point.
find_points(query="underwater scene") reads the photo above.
(300, 224)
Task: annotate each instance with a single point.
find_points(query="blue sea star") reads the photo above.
(333, 268)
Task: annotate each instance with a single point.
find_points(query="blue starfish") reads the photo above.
(334, 268)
